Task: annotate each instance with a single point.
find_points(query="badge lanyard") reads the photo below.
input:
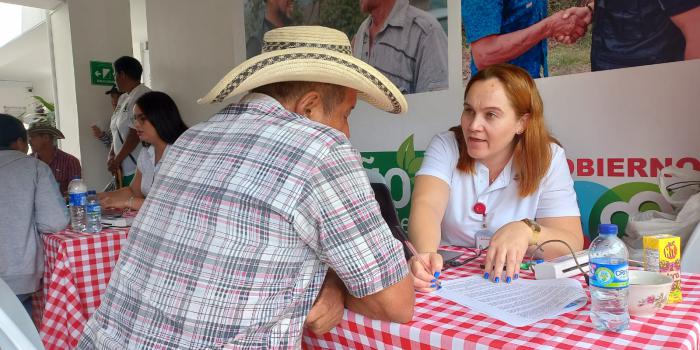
(483, 236)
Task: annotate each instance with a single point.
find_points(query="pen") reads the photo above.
(413, 250)
(422, 262)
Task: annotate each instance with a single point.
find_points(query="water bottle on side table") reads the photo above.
(77, 199)
(609, 282)
(94, 213)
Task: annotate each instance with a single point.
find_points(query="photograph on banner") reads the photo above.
(559, 37)
(410, 47)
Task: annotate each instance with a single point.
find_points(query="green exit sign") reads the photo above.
(101, 73)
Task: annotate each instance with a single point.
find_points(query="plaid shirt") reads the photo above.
(64, 168)
(230, 249)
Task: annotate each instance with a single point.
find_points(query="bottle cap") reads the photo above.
(607, 229)
(92, 192)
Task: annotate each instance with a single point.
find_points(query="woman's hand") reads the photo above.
(426, 281)
(507, 248)
(113, 202)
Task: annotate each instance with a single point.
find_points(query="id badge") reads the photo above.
(483, 239)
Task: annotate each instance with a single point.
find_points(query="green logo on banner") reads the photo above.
(398, 170)
(101, 73)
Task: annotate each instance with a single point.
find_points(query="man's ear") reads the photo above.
(310, 105)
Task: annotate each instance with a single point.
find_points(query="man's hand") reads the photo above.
(327, 310)
(581, 17)
(112, 164)
(96, 131)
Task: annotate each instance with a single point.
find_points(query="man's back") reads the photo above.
(229, 245)
(29, 203)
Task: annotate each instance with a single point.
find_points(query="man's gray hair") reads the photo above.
(331, 95)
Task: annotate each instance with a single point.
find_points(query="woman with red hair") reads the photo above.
(498, 175)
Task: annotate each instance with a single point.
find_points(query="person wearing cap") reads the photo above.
(406, 44)
(125, 146)
(65, 167)
(105, 136)
(260, 217)
(30, 203)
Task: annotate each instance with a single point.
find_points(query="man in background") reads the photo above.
(406, 44)
(636, 33)
(30, 203)
(278, 13)
(515, 31)
(65, 167)
(105, 136)
(125, 146)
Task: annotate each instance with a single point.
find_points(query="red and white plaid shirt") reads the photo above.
(230, 249)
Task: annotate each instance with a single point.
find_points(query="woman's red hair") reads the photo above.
(531, 150)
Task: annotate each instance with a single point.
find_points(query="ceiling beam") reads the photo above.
(42, 4)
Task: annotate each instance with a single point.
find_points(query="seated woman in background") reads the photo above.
(158, 123)
(498, 171)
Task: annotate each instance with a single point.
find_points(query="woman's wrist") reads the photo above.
(535, 230)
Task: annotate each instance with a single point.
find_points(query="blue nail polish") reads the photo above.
(496, 279)
(516, 276)
(486, 275)
(432, 285)
(508, 279)
(434, 280)
(436, 274)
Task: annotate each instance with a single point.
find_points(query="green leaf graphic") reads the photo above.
(406, 153)
(414, 166)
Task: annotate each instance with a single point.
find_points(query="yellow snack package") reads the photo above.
(662, 253)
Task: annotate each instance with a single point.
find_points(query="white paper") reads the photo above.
(519, 303)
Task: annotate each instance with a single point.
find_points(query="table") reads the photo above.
(76, 272)
(442, 324)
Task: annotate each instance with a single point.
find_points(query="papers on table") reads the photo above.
(116, 222)
(519, 303)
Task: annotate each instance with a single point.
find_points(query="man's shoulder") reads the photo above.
(267, 119)
(67, 156)
(423, 20)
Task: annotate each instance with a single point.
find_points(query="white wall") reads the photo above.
(15, 94)
(83, 31)
(191, 46)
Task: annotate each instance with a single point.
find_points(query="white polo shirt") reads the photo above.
(554, 197)
(123, 120)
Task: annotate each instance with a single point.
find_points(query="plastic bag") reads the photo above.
(682, 190)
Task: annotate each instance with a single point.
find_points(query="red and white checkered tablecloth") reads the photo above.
(77, 270)
(442, 324)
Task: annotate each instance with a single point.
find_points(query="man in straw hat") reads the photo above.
(42, 138)
(259, 216)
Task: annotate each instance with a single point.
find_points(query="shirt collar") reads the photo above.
(397, 16)
(256, 97)
(503, 179)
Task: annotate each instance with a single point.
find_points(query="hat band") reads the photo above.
(274, 46)
(302, 56)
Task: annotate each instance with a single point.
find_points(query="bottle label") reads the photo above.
(94, 208)
(609, 276)
(76, 199)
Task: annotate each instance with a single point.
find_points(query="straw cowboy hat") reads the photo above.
(44, 127)
(314, 54)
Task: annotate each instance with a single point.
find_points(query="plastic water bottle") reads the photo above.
(609, 280)
(94, 213)
(77, 199)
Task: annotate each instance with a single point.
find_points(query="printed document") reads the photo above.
(519, 303)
